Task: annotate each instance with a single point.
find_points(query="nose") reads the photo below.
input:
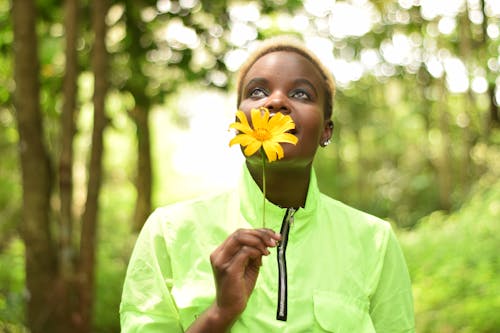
(277, 103)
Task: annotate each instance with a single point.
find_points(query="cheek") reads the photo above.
(247, 105)
(245, 108)
(313, 124)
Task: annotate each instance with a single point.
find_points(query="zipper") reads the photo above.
(281, 256)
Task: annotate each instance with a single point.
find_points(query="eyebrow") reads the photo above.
(261, 80)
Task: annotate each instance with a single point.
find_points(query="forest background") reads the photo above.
(111, 108)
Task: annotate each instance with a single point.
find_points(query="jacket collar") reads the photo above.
(251, 202)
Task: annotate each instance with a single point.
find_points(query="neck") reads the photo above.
(285, 187)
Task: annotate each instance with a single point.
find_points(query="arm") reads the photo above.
(235, 263)
(148, 306)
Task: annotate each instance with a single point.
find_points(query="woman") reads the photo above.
(320, 266)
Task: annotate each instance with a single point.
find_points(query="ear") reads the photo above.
(327, 133)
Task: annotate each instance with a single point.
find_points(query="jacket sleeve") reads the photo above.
(147, 305)
(391, 307)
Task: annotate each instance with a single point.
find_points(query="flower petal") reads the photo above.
(276, 119)
(242, 123)
(281, 124)
(266, 131)
(285, 137)
(241, 127)
(242, 139)
(260, 118)
(273, 150)
(252, 148)
(242, 117)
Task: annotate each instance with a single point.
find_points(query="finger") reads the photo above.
(240, 260)
(257, 238)
(271, 233)
(266, 236)
(246, 243)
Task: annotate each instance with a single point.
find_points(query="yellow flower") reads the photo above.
(267, 132)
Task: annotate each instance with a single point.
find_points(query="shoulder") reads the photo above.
(352, 217)
(372, 238)
(206, 204)
(368, 233)
(185, 208)
(190, 216)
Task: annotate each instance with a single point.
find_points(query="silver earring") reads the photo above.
(327, 142)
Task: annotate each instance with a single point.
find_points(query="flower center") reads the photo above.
(261, 134)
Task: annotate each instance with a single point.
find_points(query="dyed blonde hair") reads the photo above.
(290, 44)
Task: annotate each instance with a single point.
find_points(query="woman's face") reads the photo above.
(286, 82)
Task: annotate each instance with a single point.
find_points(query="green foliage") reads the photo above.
(10, 188)
(453, 261)
(400, 140)
(116, 208)
(115, 246)
(12, 290)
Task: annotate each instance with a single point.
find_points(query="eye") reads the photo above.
(300, 94)
(257, 93)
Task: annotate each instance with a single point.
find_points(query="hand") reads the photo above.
(236, 263)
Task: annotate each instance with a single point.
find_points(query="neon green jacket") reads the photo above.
(345, 271)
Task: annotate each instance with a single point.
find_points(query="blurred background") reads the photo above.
(111, 108)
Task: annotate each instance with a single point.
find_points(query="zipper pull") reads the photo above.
(291, 213)
(286, 224)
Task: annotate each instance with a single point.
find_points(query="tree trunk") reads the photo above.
(89, 219)
(67, 288)
(493, 119)
(139, 114)
(68, 129)
(464, 164)
(40, 256)
(144, 177)
(444, 161)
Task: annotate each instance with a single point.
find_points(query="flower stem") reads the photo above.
(263, 189)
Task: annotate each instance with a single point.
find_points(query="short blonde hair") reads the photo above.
(291, 44)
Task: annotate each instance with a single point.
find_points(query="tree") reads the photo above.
(53, 274)
(153, 76)
(417, 110)
(89, 218)
(60, 276)
(41, 263)
(397, 122)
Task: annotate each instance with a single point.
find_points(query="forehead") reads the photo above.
(282, 65)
